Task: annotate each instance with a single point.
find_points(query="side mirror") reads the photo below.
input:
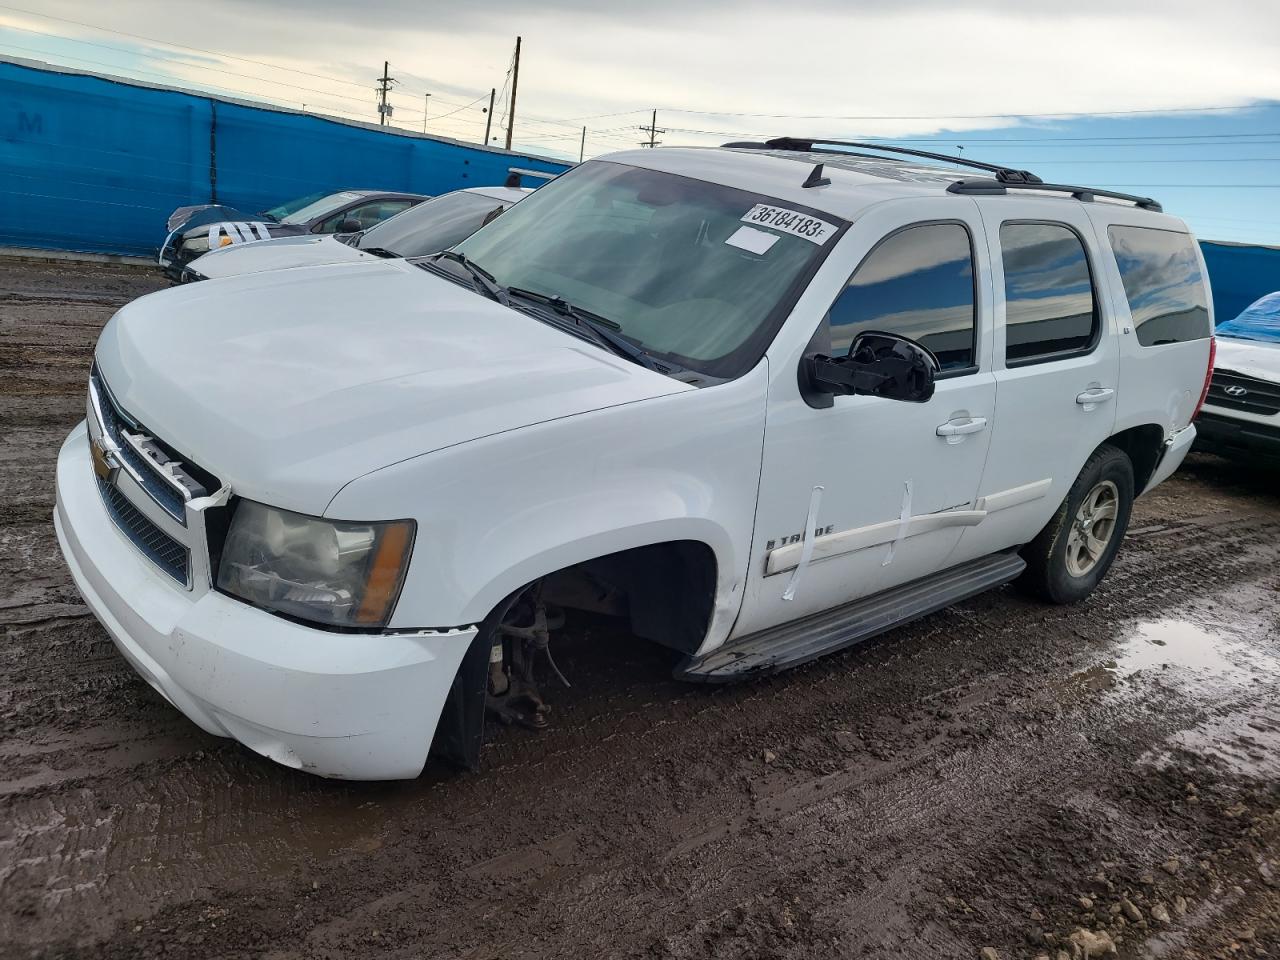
(878, 365)
(350, 225)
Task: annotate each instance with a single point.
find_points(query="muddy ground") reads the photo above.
(1002, 775)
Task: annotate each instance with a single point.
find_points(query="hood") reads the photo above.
(289, 384)
(205, 213)
(249, 229)
(276, 254)
(1253, 358)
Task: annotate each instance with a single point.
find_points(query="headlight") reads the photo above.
(196, 245)
(329, 571)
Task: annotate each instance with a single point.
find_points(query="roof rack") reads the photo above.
(1003, 174)
(1004, 178)
(1086, 194)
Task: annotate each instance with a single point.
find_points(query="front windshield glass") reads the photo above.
(286, 208)
(1260, 321)
(306, 209)
(432, 226)
(692, 271)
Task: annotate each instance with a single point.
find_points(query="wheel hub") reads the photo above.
(1092, 528)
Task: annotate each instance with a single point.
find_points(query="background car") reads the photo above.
(193, 231)
(427, 228)
(1241, 415)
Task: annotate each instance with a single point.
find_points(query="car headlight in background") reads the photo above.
(333, 572)
(201, 244)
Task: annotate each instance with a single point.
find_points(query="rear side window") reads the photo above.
(918, 283)
(1163, 283)
(1051, 310)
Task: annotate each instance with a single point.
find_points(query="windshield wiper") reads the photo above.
(481, 278)
(377, 251)
(600, 328)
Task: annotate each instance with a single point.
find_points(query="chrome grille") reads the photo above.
(164, 551)
(1235, 391)
(171, 489)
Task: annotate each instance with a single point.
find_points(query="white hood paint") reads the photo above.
(1253, 358)
(304, 251)
(288, 390)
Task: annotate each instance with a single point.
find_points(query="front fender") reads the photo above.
(498, 512)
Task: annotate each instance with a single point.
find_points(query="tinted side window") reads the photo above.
(918, 283)
(1050, 305)
(1163, 284)
(369, 214)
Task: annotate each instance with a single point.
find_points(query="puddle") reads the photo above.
(1195, 656)
(1190, 648)
(1210, 662)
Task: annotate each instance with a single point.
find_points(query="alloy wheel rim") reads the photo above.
(1092, 528)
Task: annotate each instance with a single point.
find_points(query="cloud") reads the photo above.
(875, 59)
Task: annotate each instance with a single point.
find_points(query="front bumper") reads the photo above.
(1239, 439)
(349, 706)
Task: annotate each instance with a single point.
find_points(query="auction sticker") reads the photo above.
(790, 221)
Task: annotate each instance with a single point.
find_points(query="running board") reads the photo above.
(800, 641)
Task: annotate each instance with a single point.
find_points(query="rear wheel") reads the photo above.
(1070, 556)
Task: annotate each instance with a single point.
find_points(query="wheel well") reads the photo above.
(1142, 446)
(667, 590)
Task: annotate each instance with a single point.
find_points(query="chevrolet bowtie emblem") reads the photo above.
(104, 462)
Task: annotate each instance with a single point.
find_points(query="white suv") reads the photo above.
(765, 401)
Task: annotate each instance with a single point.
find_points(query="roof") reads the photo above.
(505, 194)
(383, 193)
(857, 180)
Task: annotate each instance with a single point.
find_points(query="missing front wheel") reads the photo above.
(521, 640)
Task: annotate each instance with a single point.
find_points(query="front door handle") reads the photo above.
(1094, 396)
(956, 430)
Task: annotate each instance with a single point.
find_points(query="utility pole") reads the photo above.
(515, 83)
(488, 116)
(582, 150)
(384, 87)
(653, 131)
(426, 102)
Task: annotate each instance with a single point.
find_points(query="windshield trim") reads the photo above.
(744, 357)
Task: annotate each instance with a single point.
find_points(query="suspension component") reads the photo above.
(513, 695)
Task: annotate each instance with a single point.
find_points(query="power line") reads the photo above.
(465, 106)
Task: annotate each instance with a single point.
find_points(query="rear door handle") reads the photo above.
(1094, 396)
(956, 430)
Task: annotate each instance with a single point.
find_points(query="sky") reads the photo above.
(1175, 99)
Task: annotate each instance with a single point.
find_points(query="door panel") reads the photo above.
(883, 488)
(1051, 411)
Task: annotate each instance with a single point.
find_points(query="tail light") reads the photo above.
(1208, 376)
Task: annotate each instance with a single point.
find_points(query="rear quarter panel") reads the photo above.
(1158, 384)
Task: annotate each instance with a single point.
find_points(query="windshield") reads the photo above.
(1261, 321)
(671, 261)
(432, 226)
(306, 209)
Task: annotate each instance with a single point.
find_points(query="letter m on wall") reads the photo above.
(30, 123)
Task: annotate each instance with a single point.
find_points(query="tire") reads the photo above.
(1069, 557)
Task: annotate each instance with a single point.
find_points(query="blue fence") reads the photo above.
(93, 164)
(1239, 275)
